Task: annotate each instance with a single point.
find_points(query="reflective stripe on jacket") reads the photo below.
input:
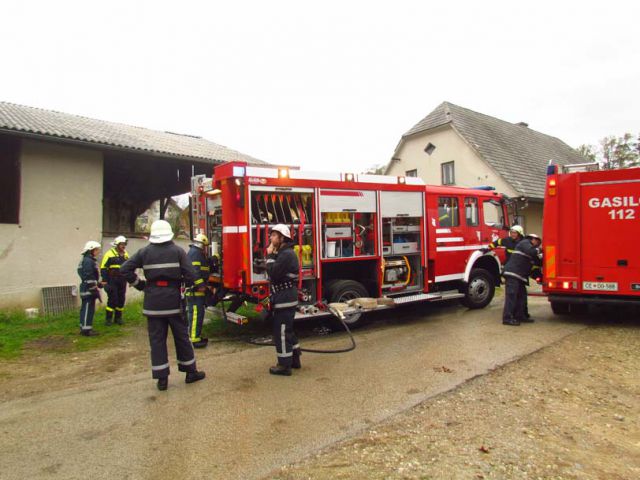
(282, 267)
(165, 266)
(524, 257)
(89, 275)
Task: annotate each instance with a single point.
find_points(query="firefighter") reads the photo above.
(196, 295)
(115, 285)
(516, 273)
(282, 269)
(516, 234)
(165, 267)
(90, 283)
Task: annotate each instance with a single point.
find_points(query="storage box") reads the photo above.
(338, 232)
(408, 247)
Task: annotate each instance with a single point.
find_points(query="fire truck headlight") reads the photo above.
(238, 182)
(283, 173)
(566, 285)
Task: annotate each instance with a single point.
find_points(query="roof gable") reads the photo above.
(65, 126)
(519, 154)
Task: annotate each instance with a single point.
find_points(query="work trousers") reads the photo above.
(195, 314)
(116, 293)
(515, 298)
(158, 328)
(87, 309)
(287, 345)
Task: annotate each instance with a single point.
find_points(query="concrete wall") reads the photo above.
(470, 169)
(60, 209)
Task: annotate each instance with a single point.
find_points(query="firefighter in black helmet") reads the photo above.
(166, 268)
(282, 268)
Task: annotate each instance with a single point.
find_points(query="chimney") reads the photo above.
(522, 124)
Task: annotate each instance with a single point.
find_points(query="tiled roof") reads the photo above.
(67, 127)
(518, 153)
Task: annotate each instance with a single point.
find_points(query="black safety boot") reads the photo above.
(511, 321)
(118, 319)
(163, 383)
(202, 343)
(194, 377)
(280, 370)
(295, 361)
(108, 319)
(527, 320)
(89, 333)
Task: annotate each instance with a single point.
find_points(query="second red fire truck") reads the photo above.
(591, 226)
(391, 240)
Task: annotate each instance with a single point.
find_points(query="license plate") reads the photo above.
(601, 286)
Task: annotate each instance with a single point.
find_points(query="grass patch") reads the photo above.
(60, 333)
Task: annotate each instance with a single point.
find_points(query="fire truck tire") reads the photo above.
(479, 290)
(560, 308)
(342, 291)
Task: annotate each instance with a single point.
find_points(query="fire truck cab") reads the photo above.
(391, 240)
(591, 223)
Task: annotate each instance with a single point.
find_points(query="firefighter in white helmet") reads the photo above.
(166, 267)
(516, 233)
(196, 296)
(90, 283)
(115, 285)
(516, 273)
(283, 268)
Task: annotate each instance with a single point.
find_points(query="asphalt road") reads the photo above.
(242, 422)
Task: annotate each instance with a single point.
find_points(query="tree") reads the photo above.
(614, 152)
(376, 170)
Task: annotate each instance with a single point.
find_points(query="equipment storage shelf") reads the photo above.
(401, 241)
(347, 235)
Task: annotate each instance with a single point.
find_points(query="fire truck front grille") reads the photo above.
(60, 299)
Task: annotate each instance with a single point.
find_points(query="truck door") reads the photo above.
(447, 235)
(610, 225)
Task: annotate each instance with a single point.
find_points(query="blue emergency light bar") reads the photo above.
(484, 187)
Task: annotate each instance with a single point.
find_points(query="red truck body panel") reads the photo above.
(591, 225)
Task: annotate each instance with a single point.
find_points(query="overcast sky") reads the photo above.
(328, 85)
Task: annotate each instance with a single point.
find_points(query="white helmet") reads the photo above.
(90, 245)
(118, 240)
(533, 235)
(161, 232)
(518, 229)
(201, 238)
(283, 229)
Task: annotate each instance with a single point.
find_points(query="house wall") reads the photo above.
(60, 209)
(470, 169)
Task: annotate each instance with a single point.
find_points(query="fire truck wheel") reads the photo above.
(342, 291)
(560, 308)
(480, 289)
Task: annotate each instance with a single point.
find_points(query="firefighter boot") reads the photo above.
(118, 317)
(89, 333)
(163, 383)
(295, 361)
(280, 370)
(108, 319)
(202, 343)
(194, 377)
(511, 321)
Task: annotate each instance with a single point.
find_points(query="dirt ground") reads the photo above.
(568, 411)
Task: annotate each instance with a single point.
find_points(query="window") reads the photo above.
(9, 180)
(411, 173)
(471, 211)
(492, 211)
(429, 148)
(448, 174)
(448, 212)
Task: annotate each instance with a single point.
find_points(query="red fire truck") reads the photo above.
(393, 239)
(591, 225)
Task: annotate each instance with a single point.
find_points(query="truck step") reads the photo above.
(433, 297)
